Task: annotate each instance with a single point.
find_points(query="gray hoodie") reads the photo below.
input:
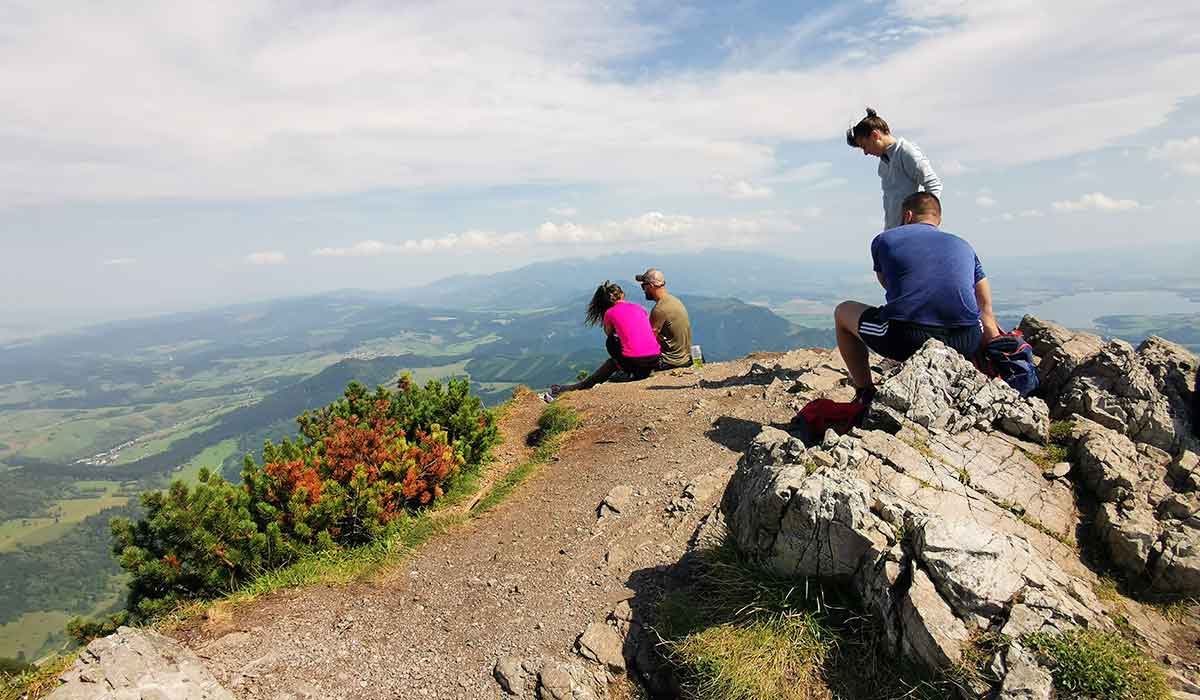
(903, 170)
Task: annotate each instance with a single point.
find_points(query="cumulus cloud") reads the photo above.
(679, 228)
(119, 261)
(744, 190)
(255, 98)
(469, 240)
(266, 257)
(1096, 201)
(984, 200)
(952, 167)
(1182, 154)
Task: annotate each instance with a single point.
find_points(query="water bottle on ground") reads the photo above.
(697, 356)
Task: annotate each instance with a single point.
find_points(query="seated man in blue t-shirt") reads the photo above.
(935, 288)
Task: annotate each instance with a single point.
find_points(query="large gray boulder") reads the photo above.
(934, 560)
(938, 389)
(137, 663)
(798, 523)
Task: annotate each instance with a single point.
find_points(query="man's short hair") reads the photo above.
(863, 129)
(923, 205)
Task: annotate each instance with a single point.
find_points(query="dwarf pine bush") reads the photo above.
(357, 466)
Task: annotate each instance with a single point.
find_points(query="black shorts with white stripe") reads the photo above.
(898, 340)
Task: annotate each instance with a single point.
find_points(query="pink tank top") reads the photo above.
(632, 324)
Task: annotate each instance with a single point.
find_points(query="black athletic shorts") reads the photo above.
(636, 367)
(898, 340)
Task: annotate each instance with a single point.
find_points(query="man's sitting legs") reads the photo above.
(854, 351)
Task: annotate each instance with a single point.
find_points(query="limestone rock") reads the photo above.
(1143, 393)
(617, 501)
(932, 634)
(1060, 352)
(510, 675)
(939, 389)
(601, 643)
(1024, 679)
(1131, 536)
(800, 524)
(137, 663)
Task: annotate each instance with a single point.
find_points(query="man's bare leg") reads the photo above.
(854, 350)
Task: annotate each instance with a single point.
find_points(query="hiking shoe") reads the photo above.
(546, 396)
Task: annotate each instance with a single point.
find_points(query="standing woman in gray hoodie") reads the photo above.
(903, 168)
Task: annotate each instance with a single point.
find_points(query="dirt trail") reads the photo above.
(528, 577)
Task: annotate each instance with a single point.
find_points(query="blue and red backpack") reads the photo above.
(1009, 357)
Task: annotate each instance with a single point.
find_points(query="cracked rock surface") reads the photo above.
(947, 529)
(1132, 444)
(135, 663)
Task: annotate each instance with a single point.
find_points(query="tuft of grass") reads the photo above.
(772, 658)
(556, 420)
(742, 633)
(964, 476)
(36, 682)
(1093, 665)
(1060, 431)
(1107, 590)
(1048, 456)
(1174, 611)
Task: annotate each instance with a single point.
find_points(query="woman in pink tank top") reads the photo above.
(632, 344)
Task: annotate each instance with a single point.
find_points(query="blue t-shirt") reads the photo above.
(930, 276)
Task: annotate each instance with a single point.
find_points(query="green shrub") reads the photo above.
(83, 630)
(358, 466)
(1092, 665)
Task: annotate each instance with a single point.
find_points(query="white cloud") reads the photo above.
(691, 231)
(254, 98)
(1182, 154)
(803, 174)
(952, 167)
(1097, 201)
(266, 257)
(1026, 214)
(119, 261)
(984, 200)
(744, 190)
(565, 211)
(469, 240)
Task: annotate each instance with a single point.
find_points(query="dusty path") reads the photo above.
(528, 577)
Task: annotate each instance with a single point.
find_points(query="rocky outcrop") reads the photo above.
(1144, 394)
(939, 389)
(943, 523)
(1132, 446)
(136, 663)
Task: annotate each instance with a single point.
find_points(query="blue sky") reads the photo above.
(169, 155)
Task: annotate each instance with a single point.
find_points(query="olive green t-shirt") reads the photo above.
(674, 331)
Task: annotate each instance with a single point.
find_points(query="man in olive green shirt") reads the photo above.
(669, 319)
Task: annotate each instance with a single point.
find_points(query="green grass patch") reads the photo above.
(1061, 430)
(1093, 665)
(35, 683)
(742, 633)
(556, 420)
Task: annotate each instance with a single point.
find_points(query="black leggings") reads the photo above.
(637, 367)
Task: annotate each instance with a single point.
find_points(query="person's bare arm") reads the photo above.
(983, 297)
